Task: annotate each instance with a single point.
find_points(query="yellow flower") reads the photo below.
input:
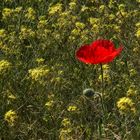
(138, 33)
(57, 8)
(72, 108)
(10, 95)
(39, 74)
(41, 24)
(84, 8)
(106, 77)
(30, 13)
(26, 33)
(40, 60)
(105, 67)
(4, 66)
(94, 20)
(133, 72)
(80, 25)
(138, 24)
(132, 91)
(11, 117)
(121, 7)
(18, 9)
(75, 32)
(66, 122)
(101, 8)
(72, 5)
(2, 33)
(6, 13)
(136, 50)
(126, 105)
(49, 104)
(112, 17)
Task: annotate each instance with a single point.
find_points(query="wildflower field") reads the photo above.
(70, 69)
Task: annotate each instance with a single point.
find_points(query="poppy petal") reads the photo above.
(110, 57)
(107, 44)
(84, 54)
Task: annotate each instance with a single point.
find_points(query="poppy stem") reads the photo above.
(102, 97)
(102, 76)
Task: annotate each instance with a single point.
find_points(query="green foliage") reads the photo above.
(42, 83)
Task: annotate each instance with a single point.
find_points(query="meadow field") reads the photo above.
(47, 92)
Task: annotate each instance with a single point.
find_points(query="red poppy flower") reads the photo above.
(98, 52)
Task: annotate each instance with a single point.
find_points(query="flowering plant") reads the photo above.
(98, 52)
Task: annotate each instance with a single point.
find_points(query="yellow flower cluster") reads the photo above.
(26, 33)
(11, 117)
(11, 14)
(49, 104)
(40, 60)
(132, 91)
(126, 105)
(133, 72)
(39, 74)
(138, 33)
(2, 33)
(18, 9)
(30, 13)
(95, 24)
(42, 24)
(7, 13)
(72, 5)
(72, 108)
(4, 66)
(66, 122)
(80, 25)
(57, 8)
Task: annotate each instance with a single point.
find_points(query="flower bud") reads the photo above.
(88, 92)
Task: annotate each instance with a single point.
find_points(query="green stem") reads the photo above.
(102, 74)
(102, 97)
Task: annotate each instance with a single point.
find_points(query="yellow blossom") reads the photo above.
(26, 33)
(40, 60)
(4, 66)
(138, 33)
(6, 13)
(11, 117)
(132, 91)
(93, 20)
(49, 104)
(39, 74)
(42, 23)
(66, 122)
(80, 25)
(75, 32)
(72, 5)
(57, 8)
(2, 33)
(72, 108)
(30, 13)
(18, 9)
(126, 105)
(84, 8)
(132, 72)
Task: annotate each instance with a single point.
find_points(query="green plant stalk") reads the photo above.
(102, 84)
